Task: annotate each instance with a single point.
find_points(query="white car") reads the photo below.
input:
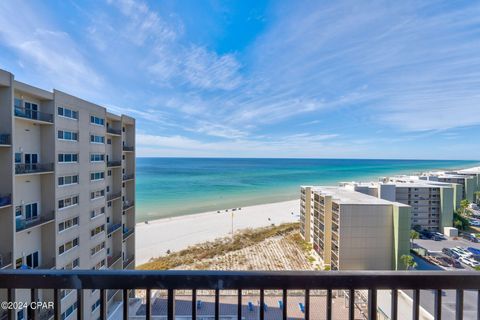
(461, 252)
(469, 262)
(475, 223)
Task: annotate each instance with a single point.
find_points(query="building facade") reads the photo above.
(353, 231)
(68, 187)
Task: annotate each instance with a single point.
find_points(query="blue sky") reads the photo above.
(357, 79)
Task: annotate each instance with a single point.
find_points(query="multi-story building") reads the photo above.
(467, 181)
(432, 204)
(353, 231)
(67, 188)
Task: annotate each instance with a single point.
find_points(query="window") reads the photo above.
(100, 175)
(67, 135)
(97, 230)
(67, 157)
(67, 113)
(67, 224)
(109, 141)
(32, 260)
(75, 263)
(97, 139)
(97, 212)
(18, 157)
(109, 204)
(31, 211)
(69, 245)
(109, 173)
(96, 120)
(99, 265)
(97, 157)
(67, 180)
(97, 194)
(67, 202)
(18, 211)
(99, 247)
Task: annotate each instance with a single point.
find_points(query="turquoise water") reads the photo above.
(169, 187)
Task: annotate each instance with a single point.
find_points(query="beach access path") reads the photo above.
(177, 233)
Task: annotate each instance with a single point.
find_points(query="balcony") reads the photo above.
(127, 232)
(5, 140)
(127, 177)
(5, 260)
(34, 115)
(128, 261)
(115, 132)
(31, 168)
(432, 285)
(128, 204)
(112, 164)
(113, 227)
(5, 201)
(111, 260)
(113, 196)
(24, 224)
(128, 149)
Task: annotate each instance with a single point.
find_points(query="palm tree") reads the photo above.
(408, 262)
(413, 235)
(464, 205)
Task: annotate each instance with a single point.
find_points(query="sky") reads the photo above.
(306, 79)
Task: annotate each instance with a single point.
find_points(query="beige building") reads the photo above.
(354, 231)
(431, 203)
(68, 188)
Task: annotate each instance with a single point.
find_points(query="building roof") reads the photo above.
(342, 195)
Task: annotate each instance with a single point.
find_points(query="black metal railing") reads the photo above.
(127, 148)
(5, 200)
(349, 282)
(113, 227)
(5, 139)
(24, 224)
(24, 168)
(128, 204)
(114, 163)
(115, 195)
(114, 131)
(33, 114)
(127, 232)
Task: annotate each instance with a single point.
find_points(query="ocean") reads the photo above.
(168, 187)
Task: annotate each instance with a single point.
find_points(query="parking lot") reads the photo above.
(434, 248)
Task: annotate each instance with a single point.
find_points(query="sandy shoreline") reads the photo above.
(177, 233)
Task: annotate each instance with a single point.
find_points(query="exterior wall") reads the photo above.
(446, 216)
(366, 240)
(305, 213)
(457, 195)
(401, 235)
(470, 188)
(388, 192)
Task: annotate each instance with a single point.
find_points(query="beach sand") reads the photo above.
(174, 234)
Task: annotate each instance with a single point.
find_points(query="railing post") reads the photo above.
(329, 304)
(394, 310)
(262, 304)
(125, 304)
(239, 305)
(438, 304)
(416, 304)
(33, 313)
(57, 304)
(459, 305)
(11, 298)
(103, 304)
(217, 304)
(285, 303)
(171, 305)
(351, 304)
(372, 304)
(148, 305)
(80, 304)
(194, 304)
(307, 304)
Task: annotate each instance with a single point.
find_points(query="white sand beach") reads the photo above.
(158, 236)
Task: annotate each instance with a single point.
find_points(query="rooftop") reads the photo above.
(342, 195)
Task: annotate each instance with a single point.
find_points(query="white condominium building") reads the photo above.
(354, 231)
(67, 188)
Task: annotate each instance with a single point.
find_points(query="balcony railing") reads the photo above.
(349, 282)
(114, 163)
(112, 196)
(127, 148)
(128, 204)
(33, 114)
(26, 168)
(113, 258)
(5, 200)
(127, 232)
(114, 131)
(113, 227)
(128, 261)
(128, 177)
(24, 224)
(5, 260)
(5, 139)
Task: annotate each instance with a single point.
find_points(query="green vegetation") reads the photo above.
(460, 219)
(413, 235)
(207, 250)
(477, 197)
(408, 262)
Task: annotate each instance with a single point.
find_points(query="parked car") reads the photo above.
(474, 223)
(474, 251)
(461, 252)
(451, 262)
(469, 262)
(470, 237)
(450, 253)
(439, 235)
